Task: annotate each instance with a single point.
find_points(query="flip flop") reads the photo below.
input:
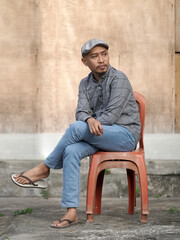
(37, 184)
(70, 223)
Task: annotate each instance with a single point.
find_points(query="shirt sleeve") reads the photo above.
(83, 110)
(120, 93)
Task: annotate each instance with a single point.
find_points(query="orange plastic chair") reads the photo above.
(134, 162)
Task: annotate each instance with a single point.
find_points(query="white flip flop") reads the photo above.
(37, 184)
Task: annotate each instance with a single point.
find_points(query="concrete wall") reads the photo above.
(24, 147)
(177, 12)
(17, 66)
(40, 65)
(177, 94)
(177, 69)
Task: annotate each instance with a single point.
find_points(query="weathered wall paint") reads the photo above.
(17, 66)
(177, 23)
(41, 65)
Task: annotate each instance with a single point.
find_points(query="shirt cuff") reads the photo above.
(84, 117)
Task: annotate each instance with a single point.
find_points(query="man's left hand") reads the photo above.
(95, 126)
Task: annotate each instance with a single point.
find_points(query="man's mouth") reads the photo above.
(101, 67)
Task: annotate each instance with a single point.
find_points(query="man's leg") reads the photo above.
(54, 160)
(114, 138)
(73, 134)
(71, 172)
(71, 179)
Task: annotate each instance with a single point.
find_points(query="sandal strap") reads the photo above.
(30, 181)
(66, 220)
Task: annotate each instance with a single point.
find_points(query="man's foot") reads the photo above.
(68, 219)
(39, 172)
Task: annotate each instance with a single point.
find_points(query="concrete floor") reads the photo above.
(113, 223)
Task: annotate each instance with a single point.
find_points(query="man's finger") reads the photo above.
(101, 129)
(94, 130)
(91, 130)
(98, 132)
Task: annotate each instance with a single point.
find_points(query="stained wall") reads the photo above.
(17, 66)
(41, 65)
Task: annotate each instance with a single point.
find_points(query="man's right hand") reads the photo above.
(95, 126)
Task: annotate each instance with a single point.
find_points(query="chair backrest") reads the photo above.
(140, 99)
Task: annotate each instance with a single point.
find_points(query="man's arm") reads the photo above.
(120, 94)
(84, 113)
(83, 110)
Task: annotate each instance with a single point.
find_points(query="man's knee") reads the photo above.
(78, 127)
(72, 153)
(70, 150)
(78, 124)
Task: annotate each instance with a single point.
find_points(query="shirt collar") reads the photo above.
(104, 75)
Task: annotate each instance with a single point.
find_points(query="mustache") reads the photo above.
(103, 65)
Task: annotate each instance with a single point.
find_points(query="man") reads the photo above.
(107, 119)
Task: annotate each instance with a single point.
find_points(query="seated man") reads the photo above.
(107, 118)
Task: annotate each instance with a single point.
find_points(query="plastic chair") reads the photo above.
(134, 162)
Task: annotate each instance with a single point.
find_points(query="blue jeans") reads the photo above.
(77, 143)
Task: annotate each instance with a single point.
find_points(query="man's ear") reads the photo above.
(84, 61)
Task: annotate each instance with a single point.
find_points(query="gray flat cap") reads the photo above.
(91, 44)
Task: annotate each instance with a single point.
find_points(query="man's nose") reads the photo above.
(100, 58)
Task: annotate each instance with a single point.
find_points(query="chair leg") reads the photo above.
(135, 191)
(143, 191)
(131, 190)
(98, 194)
(90, 200)
(89, 218)
(91, 188)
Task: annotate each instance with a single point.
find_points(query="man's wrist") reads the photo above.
(88, 119)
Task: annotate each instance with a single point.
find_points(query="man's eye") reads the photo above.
(94, 56)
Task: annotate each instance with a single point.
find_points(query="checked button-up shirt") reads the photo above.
(109, 100)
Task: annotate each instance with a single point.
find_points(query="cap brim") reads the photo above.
(98, 44)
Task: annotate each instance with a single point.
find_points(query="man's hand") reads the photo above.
(95, 126)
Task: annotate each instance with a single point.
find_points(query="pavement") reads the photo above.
(113, 223)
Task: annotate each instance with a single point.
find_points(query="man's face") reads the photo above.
(97, 60)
